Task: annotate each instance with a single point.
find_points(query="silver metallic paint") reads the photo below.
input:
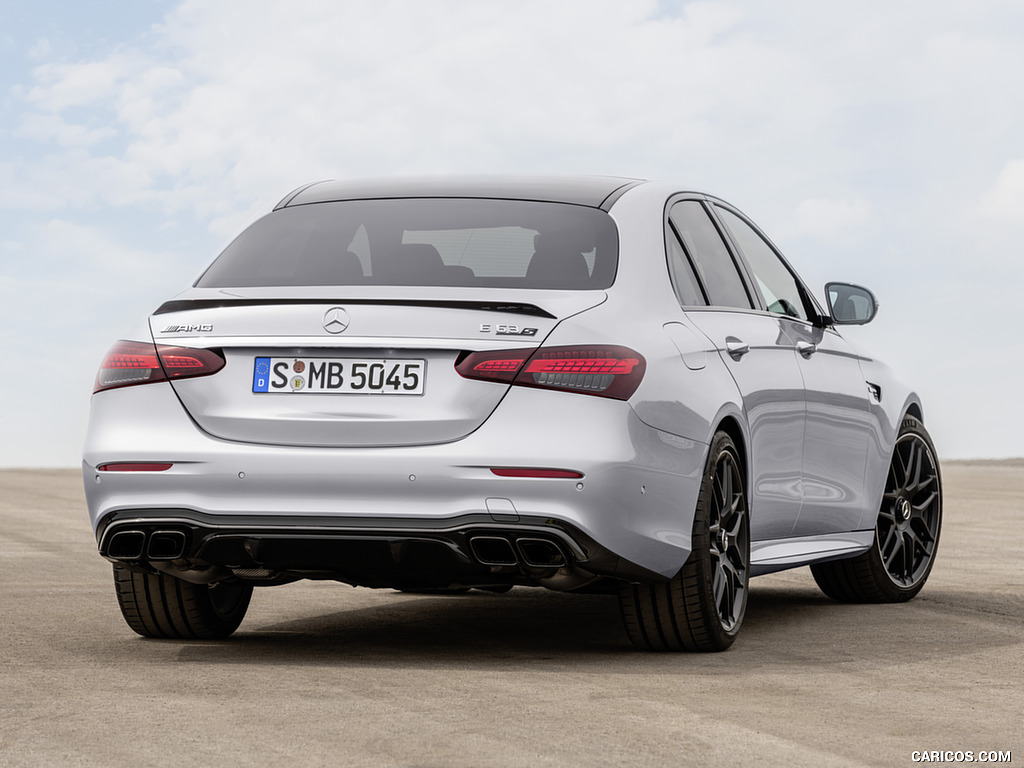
(807, 468)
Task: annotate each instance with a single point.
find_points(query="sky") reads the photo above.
(876, 142)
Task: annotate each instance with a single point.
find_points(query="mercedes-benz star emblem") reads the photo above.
(335, 320)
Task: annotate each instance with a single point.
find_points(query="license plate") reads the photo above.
(338, 376)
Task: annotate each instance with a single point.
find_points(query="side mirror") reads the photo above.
(850, 304)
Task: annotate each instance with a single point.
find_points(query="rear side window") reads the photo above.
(423, 242)
(684, 280)
(779, 288)
(715, 267)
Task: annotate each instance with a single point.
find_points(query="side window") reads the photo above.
(714, 264)
(780, 289)
(684, 281)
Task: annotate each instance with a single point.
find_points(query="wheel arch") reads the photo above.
(913, 408)
(731, 425)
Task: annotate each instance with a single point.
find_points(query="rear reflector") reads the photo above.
(128, 363)
(534, 472)
(139, 467)
(601, 369)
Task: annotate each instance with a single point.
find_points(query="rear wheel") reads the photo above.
(157, 605)
(701, 608)
(907, 529)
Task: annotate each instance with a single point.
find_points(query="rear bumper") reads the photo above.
(470, 551)
(629, 515)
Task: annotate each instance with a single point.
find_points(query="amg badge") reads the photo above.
(204, 328)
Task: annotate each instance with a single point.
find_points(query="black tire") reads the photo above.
(157, 605)
(907, 529)
(701, 608)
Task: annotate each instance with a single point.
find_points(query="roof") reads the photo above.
(594, 191)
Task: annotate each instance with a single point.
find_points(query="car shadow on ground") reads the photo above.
(785, 626)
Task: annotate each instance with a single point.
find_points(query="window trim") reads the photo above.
(672, 233)
(815, 317)
(753, 296)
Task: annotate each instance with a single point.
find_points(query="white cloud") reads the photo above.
(52, 127)
(826, 218)
(874, 137)
(238, 103)
(1005, 200)
(60, 86)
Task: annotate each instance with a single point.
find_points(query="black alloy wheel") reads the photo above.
(701, 608)
(907, 529)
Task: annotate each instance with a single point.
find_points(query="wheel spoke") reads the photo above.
(901, 481)
(726, 489)
(737, 520)
(917, 459)
(919, 509)
(922, 532)
(888, 514)
(908, 556)
(725, 608)
(718, 586)
(892, 547)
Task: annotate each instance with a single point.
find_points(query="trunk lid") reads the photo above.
(376, 368)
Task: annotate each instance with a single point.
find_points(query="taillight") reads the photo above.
(128, 363)
(494, 366)
(601, 369)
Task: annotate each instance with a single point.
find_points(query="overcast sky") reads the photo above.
(877, 142)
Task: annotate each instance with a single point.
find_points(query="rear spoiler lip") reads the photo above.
(519, 308)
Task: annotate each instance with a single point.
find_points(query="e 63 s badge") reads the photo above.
(500, 329)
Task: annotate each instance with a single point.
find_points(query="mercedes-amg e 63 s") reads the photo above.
(583, 384)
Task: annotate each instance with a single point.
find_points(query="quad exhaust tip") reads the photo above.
(493, 550)
(166, 545)
(136, 545)
(532, 552)
(540, 553)
(127, 545)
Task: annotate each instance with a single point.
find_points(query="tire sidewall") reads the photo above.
(893, 591)
(701, 561)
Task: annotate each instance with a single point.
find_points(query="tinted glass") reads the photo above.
(423, 241)
(781, 292)
(712, 259)
(684, 281)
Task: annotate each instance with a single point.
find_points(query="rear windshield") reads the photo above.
(423, 241)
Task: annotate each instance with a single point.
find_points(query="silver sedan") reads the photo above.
(583, 384)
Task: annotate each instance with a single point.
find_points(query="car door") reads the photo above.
(837, 426)
(759, 355)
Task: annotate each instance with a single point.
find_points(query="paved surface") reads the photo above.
(324, 674)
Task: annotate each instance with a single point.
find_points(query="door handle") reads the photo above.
(805, 348)
(736, 348)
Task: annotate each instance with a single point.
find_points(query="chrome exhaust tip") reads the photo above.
(493, 550)
(540, 553)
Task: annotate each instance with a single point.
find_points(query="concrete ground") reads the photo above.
(324, 674)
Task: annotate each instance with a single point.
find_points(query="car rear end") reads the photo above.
(386, 392)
